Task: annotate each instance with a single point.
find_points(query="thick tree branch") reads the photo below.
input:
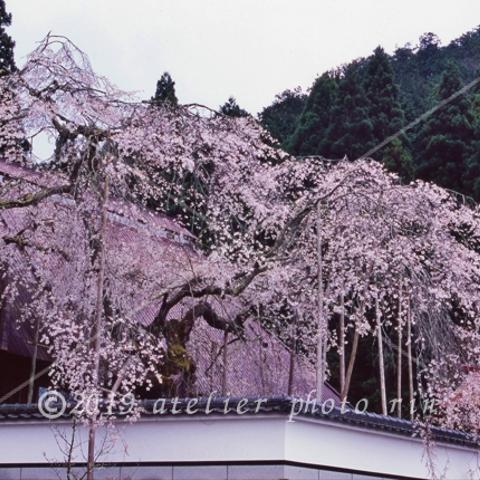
(30, 199)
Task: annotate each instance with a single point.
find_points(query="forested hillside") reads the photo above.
(351, 109)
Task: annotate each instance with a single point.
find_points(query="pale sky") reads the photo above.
(252, 49)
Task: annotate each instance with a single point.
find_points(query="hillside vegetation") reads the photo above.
(351, 109)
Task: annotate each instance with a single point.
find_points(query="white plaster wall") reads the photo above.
(224, 439)
(161, 439)
(336, 445)
(216, 439)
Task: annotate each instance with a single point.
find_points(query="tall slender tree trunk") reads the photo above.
(291, 368)
(98, 327)
(351, 364)
(293, 354)
(410, 361)
(261, 364)
(261, 357)
(399, 357)
(33, 369)
(381, 360)
(225, 364)
(341, 335)
(321, 331)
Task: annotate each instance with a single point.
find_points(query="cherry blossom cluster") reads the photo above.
(295, 243)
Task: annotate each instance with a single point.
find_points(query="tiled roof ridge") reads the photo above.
(270, 405)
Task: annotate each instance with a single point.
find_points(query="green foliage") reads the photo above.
(165, 92)
(476, 105)
(7, 61)
(397, 158)
(472, 174)
(385, 111)
(350, 112)
(309, 135)
(232, 109)
(13, 142)
(351, 131)
(386, 114)
(363, 103)
(445, 141)
(281, 118)
(419, 72)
